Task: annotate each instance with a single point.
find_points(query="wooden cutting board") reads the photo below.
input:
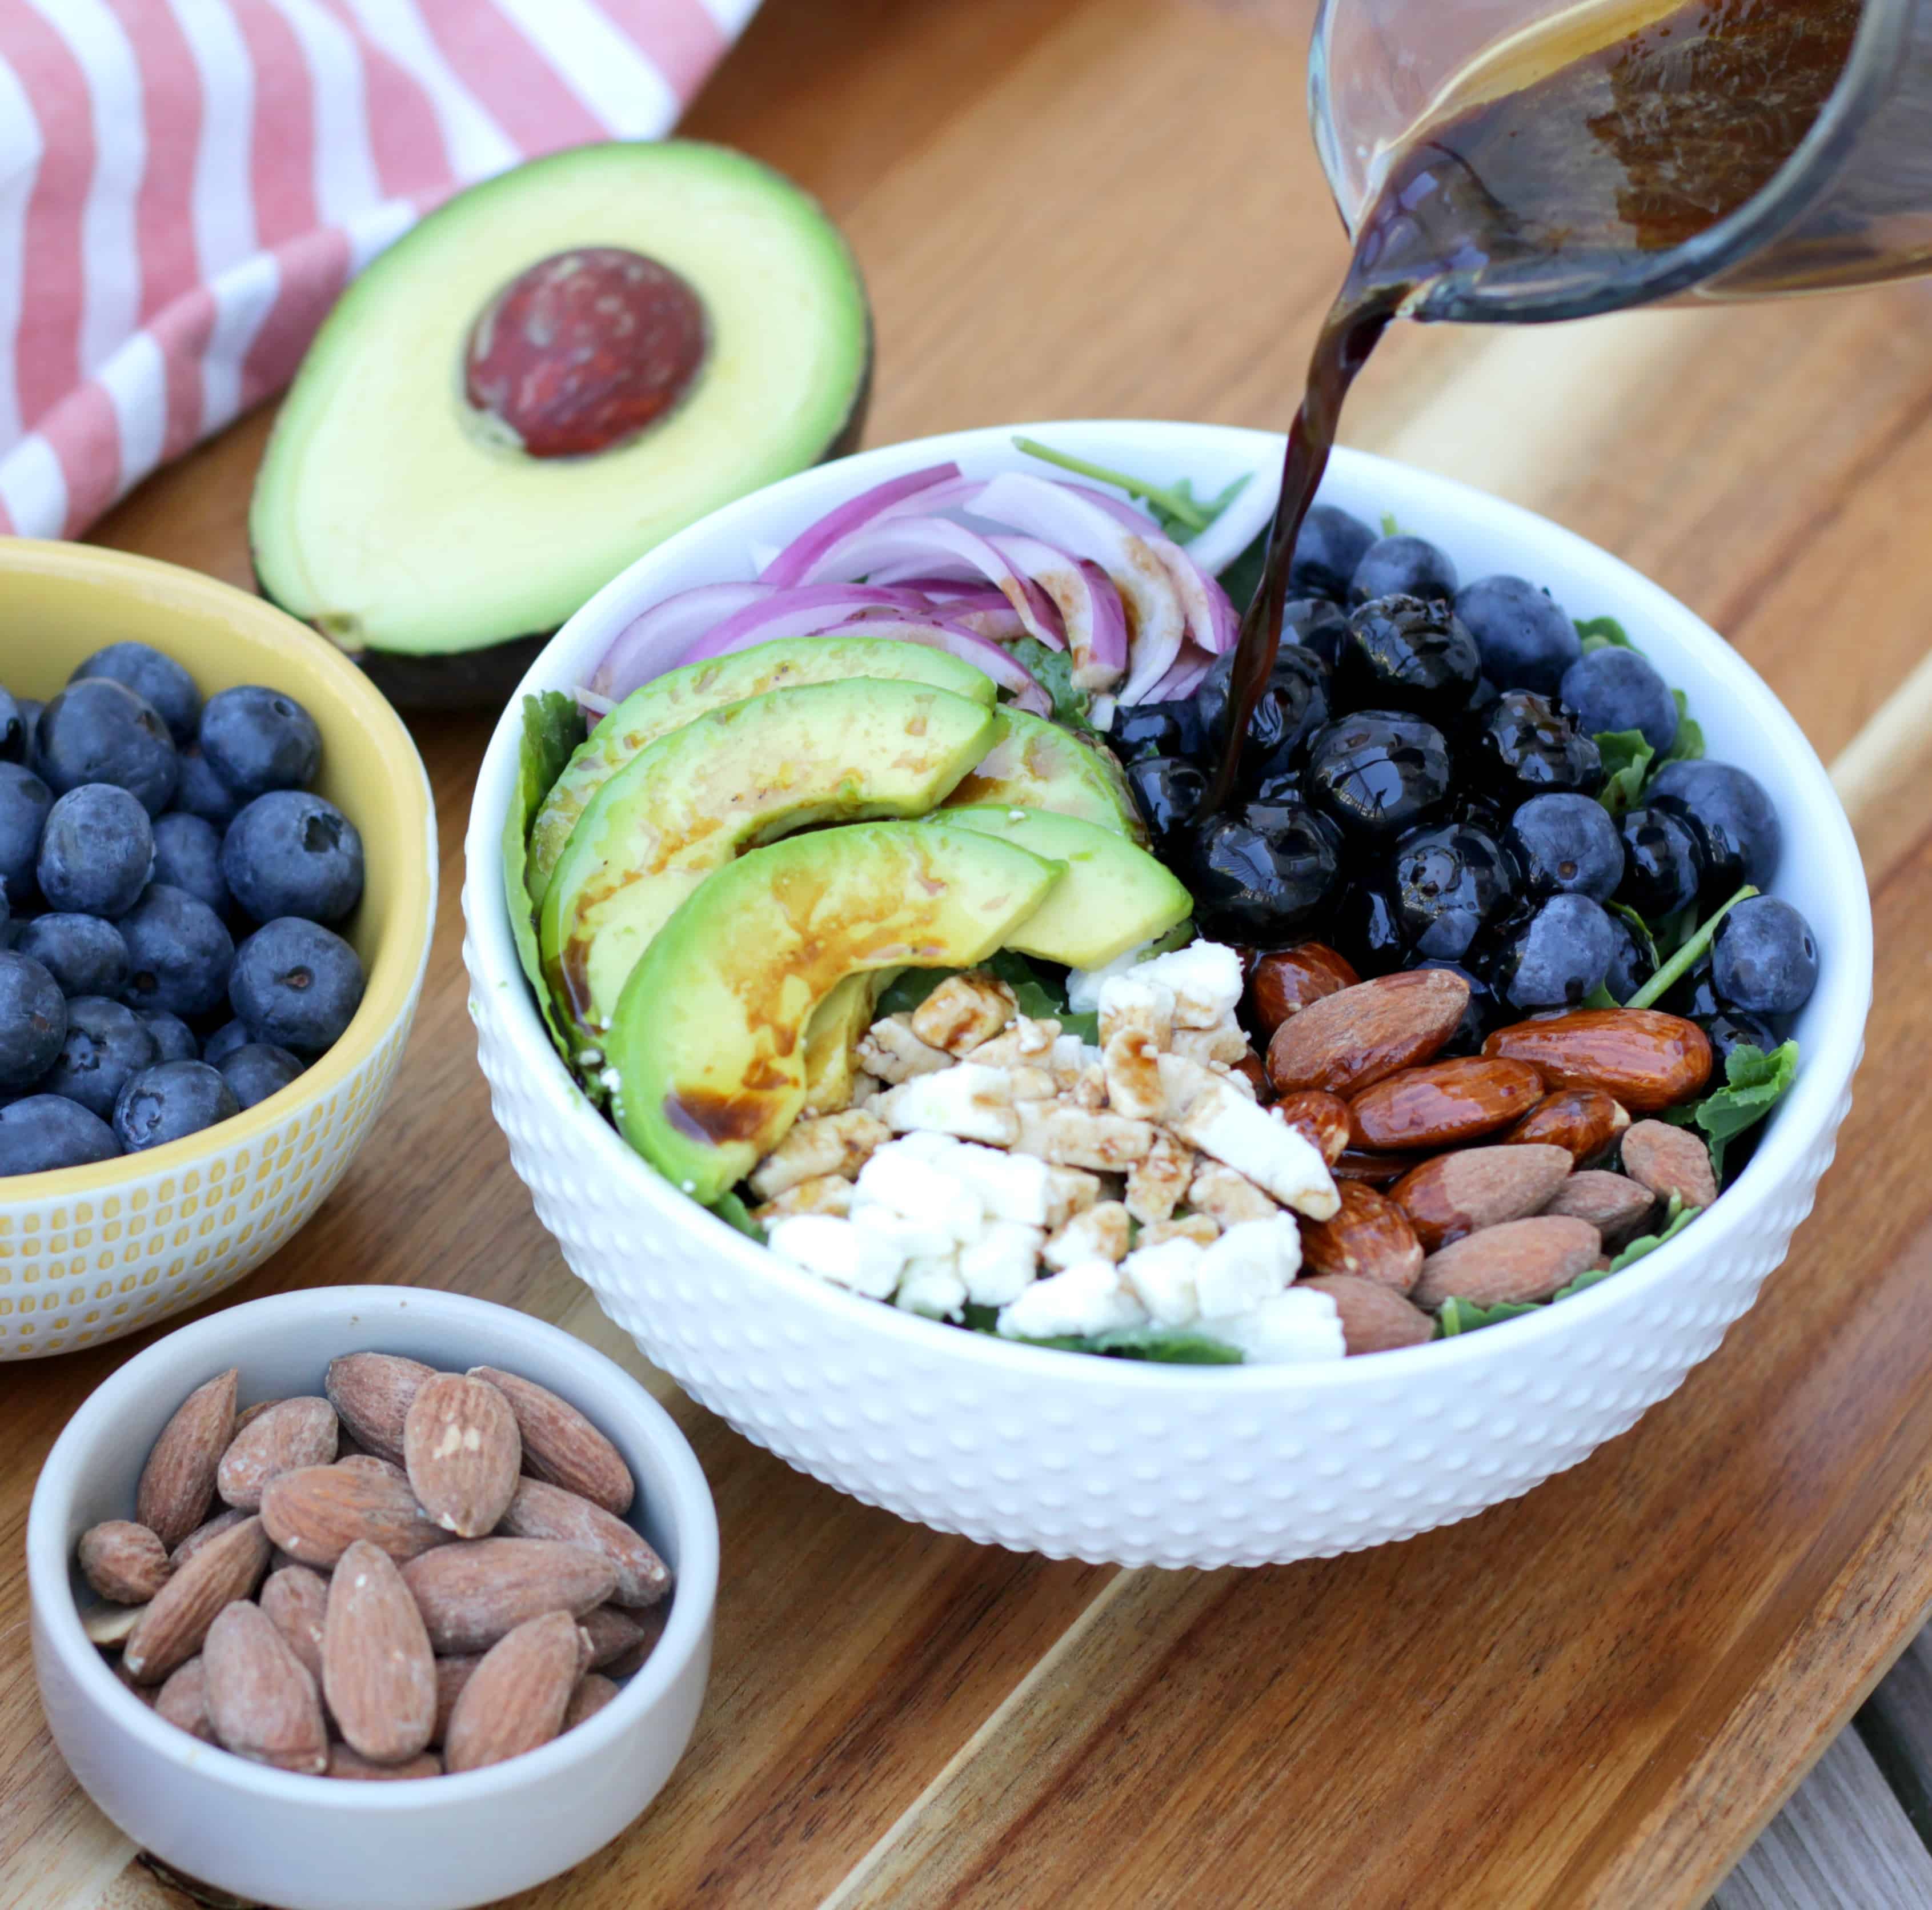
(1595, 1695)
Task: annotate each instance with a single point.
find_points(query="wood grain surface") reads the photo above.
(1594, 1695)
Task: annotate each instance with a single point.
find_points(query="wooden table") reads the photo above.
(1594, 1696)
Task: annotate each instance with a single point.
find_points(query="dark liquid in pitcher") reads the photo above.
(1551, 176)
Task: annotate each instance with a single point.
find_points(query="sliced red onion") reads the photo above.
(1184, 678)
(593, 707)
(653, 641)
(1089, 606)
(1243, 519)
(793, 564)
(803, 611)
(998, 621)
(1212, 623)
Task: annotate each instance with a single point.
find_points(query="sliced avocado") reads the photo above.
(832, 1035)
(671, 701)
(819, 753)
(551, 727)
(706, 1044)
(1113, 897)
(546, 378)
(1037, 765)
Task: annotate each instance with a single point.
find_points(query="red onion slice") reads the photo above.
(1184, 678)
(1089, 606)
(654, 640)
(793, 564)
(803, 612)
(1212, 625)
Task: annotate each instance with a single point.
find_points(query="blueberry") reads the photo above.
(1448, 882)
(1630, 964)
(106, 1046)
(256, 1070)
(1523, 746)
(1263, 872)
(1327, 548)
(1147, 729)
(174, 1039)
(187, 854)
(200, 792)
(1731, 1029)
(149, 673)
(33, 1019)
(1566, 844)
(179, 951)
(97, 851)
(295, 984)
(43, 1132)
(1316, 625)
(257, 739)
(1367, 928)
(225, 1040)
(25, 801)
(1559, 957)
(84, 955)
(12, 730)
(1407, 653)
(1613, 689)
(1693, 995)
(1763, 959)
(1169, 792)
(1664, 867)
(169, 1101)
(1526, 638)
(1379, 773)
(100, 731)
(1734, 821)
(1403, 566)
(1481, 1017)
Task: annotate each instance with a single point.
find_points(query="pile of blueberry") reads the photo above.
(1420, 787)
(165, 879)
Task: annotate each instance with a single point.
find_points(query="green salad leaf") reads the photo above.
(730, 1208)
(1390, 527)
(1600, 633)
(1175, 507)
(1457, 1316)
(908, 988)
(1754, 1083)
(1243, 577)
(1054, 670)
(552, 728)
(1688, 744)
(1676, 1217)
(1627, 761)
(1039, 996)
(1174, 1346)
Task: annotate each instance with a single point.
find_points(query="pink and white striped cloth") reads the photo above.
(186, 185)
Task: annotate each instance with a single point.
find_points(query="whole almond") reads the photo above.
(1583, 1121)
(248, 1415)
(594, 1691)
(368, 1462)
(1370, 1239)
(182, 1700)
(1670, 1161)
(463, 1452)
(560, 1446)
(1373, 1170)
(371, 1393)
(516, 1697)
(471, 1595)
(226, 1520)
(1284, 983)
(378, 1671)
(1459, 1194)
(178, 1482)
(541, 1511)
(652, 1618)
(451, 1675)
(145, 1692)
(1613, 1205)
(1375, 1318)
(1344, 1041)
(1321, 1120)
(612, 1632)
(1443, 1103)
(1640, 1056)
(174, 1624)
(1520, 1259)
(291, 1433)
(296, 1599)
(123, 1562)
(343, 1762)
(315, 1513)
(262, 1704)
(111, 1627)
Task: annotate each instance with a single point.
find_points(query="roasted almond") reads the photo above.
(315, 1513)
(1443, 1104)
(1282, 985)
(1670, 1161)
(463, 1452)
(652, 1619)
(175, 1623)
(515, 1699)
(1583, 1121)
(1372, 1169)
(343, 1762)
(1370, 1239)
(1321, 1120)
(1376, 1318)
(368, 1462)
(296, 1599)
(223, 1521)
(262, 1704)
(1640, 1056)
(594, 1691)
(543, 1511)
(1612, 1204)
(290, 1433)
(371, 1393)
(378, 1672)
(451, 1675)
(471, 1595)
(248, 1415)
(560, 1446)
(1455, 1195)
(111, 1627)
(1344, 1041)
(1520, 1259)
(182, 1700)
(123, 1562)
(178, 1482)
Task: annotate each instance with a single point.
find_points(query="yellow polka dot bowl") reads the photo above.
(88, 1254)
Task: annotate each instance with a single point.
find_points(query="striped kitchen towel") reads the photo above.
(186, 185)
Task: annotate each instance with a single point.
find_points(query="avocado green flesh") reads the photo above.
(669, 702)
(819, 753)
(384, 513)
(551, 725)
(1113, 897)
(1037, 765)
(706, 1044)
(831, 1035)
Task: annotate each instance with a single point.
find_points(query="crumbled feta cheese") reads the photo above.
(1235, 1079)
(1156, 1185)
(1204, 1230)
(913, 1239)
(1025, 1040)
(1084, 984)
(1102, 1233)
(890, 1050)
(1162, 1277)
(839, 1250)
(823, 1193)
(973, 1102)
(1296, 1325)
(1031, 1083)
(965, 1011)
(922, 1190)
(834, 1143)
(1230, 1197)
(933, 1287)
(1069, 1191)
(1132, 1061)
(1074, 1137)
(1206, 979)
(1129, 1001)
(1089, 1299)
(1009, 1186)
(1247, 1264)
(1070, 1059)
(999, 1266)
(1225, 1044)
(1206, 1109)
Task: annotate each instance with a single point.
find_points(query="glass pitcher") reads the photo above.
(1852, 206)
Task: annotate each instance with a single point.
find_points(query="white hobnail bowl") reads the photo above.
(315, 1843)
(1104, 1459)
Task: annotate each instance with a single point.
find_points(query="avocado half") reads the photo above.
(410, 520)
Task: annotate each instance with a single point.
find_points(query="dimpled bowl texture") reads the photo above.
(1103, 1459)
(315, 1843)
(88, 1254)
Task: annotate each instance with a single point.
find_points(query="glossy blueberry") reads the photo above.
(1262, 872)
(1731, 1029)
(1292, 705)
(100, 731)
(1734, 821)
(1327, 548)
(1448, 882)
(1367, 928)
(256, 1070)
(1318, 626)
(150, 674)
(25, 801)
(257, 739)
(84, 955)
(97, 851)
(1526, 637)
(1612, 689)
(225, 1040)
(1566, 844)
(43, 1132)
(295, 984)
(1480, 1018)
(1631, 964)
(1763, 957)
(1559, 957)
(1378, 774)
(1157, 729)
(174, 1039)
(1169, 792)
(1523, 746)
(33, 1019)
(178, 951)
(107, 1045)
(1664, 867)
(1402, 566)
(200, 792)
(13, 730)
(187, 854)
(1693, 995)
(169, 1102)
(1407, 653)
